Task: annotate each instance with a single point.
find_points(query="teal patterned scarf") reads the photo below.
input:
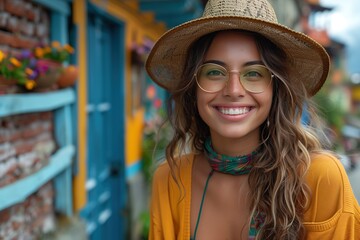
(230, 165)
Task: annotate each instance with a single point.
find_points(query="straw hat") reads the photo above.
(309, 61)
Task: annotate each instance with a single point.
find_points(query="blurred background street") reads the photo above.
(79, 116)
(354, 177)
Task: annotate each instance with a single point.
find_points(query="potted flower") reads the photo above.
(52, 58)
(14, 70)
(38, 68)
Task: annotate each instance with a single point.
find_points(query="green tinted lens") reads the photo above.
(255, 78)
(211, 77)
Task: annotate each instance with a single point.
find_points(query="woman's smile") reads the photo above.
(233, 111)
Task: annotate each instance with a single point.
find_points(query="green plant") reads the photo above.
(55, 52)
(145, 222)
(14, 68)
(157, 134)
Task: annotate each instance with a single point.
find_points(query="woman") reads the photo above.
(238, 82)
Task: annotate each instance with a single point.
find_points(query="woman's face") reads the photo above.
(234, 113)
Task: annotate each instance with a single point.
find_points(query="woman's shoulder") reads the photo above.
(329, 185)
(326, 174)
(326, 164)
(331, 199)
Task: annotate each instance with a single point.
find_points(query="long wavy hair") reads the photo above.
(278, 191)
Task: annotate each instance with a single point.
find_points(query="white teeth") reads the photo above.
(234, 111)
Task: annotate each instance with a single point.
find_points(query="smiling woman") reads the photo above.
(241, 165)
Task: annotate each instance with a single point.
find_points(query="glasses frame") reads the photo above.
(229, 72)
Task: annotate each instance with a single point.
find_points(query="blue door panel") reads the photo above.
(106, 186)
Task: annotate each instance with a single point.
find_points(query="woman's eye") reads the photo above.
(252, 74)
(215, 73)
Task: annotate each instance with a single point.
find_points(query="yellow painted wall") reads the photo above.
(79, 20)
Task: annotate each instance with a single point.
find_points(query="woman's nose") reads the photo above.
(233, 86)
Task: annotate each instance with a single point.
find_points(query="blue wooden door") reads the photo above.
(106, 189)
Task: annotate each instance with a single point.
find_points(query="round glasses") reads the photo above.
(211, 77)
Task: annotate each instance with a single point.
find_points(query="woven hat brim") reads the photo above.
(308, 60)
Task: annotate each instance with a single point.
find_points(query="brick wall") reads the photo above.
(31, 218)
(26, 140)
(26, 143)
(23, 24)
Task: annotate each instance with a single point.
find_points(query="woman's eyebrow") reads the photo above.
(215, 62)
(258, 62)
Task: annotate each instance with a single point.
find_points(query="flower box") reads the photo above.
(36, 69)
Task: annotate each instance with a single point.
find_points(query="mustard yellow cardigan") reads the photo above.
(334, 212)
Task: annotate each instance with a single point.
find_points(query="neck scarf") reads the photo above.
(238, 165)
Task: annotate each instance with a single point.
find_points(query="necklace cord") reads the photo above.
(202, 203)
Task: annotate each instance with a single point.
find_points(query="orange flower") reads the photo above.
(68, 48)
(56, 45)
(29, 71)
(30, 84)
(2, 56)
(39, 52)
(15, 62)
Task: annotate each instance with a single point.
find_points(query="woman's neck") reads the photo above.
(234, 146)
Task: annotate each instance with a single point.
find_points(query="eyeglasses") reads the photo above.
(211, 77)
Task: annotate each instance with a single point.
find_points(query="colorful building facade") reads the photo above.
(93, 170)
(94, 130)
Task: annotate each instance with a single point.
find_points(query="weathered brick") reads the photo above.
(32, 130)
(23, 147)
(15, 7)
(27, 28)
(6, 151)
(4, 216)
(2, 5)
(46, 116)
(41, 30)
(30, 12)
(14, 135)
(24, 42)
(13, 24)
(6, 38)
(25, 119)
(16, 225)
(8, 166)
(4, 16)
